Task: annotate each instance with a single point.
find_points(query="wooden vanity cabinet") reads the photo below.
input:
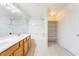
(19, 49)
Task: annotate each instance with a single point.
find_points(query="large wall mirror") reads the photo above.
(12, 22)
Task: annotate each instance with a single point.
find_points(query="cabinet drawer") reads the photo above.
(10, 50)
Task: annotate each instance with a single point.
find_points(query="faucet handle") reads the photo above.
(10, 33)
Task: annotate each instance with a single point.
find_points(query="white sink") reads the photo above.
(12, 38)
(7, 39)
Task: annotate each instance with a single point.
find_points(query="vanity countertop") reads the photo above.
(8, 41)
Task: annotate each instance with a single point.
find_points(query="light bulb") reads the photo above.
(51, 13)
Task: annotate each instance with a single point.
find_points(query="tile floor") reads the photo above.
(53, 50)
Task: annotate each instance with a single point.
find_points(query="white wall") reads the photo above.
(38, 31)
(68, 28)
(36, 27)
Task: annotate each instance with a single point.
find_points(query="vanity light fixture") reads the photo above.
(52, 12)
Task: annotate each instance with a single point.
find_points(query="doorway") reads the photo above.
(52, 31)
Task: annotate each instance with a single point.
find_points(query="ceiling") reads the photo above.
(39, 9)
(34, 10)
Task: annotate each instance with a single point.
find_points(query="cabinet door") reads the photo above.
(26, 47)
(9, 51)
(19, 51)
(30, 43)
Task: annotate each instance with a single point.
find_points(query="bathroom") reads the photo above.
(24, 29)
